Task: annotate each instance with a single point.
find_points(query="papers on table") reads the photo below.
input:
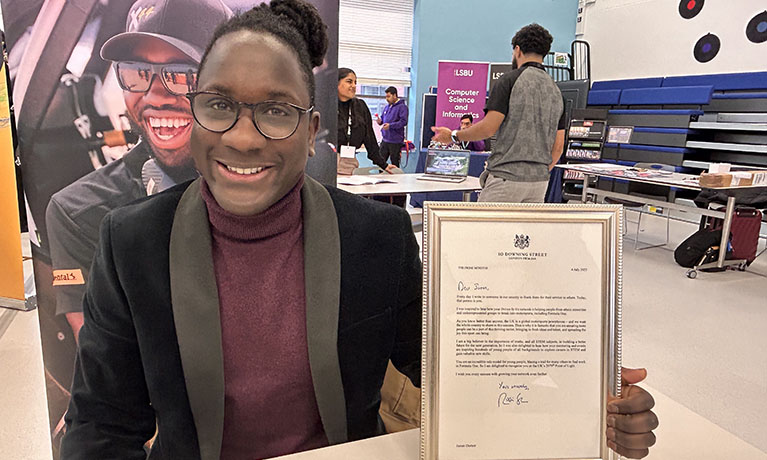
(363, 180)
(660, 176)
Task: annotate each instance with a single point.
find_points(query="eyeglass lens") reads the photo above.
(136, 77)
(215, 112)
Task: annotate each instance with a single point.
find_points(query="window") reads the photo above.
(376, 41)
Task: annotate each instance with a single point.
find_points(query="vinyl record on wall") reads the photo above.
(756, 30)
(707, 48)
(688, 9)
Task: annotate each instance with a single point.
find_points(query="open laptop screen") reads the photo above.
(454, 163)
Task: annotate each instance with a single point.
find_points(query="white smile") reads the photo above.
(155, 122)
(245, 171)
(162, 122)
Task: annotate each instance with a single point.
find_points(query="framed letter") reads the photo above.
(522, 339)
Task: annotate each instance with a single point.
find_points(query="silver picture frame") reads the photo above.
(603, 224)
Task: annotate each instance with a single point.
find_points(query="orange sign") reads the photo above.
(11, 271)
(68, 277)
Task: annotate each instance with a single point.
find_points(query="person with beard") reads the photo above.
(155, 61)
(526, 109)
(393, 123)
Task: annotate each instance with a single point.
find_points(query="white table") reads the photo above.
(409, 183)
(668, 179)
(682, 434)
(405, 445)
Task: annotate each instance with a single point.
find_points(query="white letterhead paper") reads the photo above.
(521, 330)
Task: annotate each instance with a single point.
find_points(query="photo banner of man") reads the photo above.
(11, 270)
(103, 119)
(462, 89)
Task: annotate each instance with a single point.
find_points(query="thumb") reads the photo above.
(632, 376)
(434, 129)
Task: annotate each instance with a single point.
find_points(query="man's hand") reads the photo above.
(385, 126)
(630, 420)
(441, 134)
(378, 120)
(75, 320)
(390, 169)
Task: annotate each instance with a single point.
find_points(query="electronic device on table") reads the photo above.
(446, 165)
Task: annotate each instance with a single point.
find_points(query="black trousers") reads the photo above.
(393, 151)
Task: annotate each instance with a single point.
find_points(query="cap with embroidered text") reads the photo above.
(186, 25)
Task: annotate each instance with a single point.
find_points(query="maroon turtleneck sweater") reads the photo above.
(270, 408)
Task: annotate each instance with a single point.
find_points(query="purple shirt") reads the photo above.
(269, 404)
(396, 115)
(474, 146)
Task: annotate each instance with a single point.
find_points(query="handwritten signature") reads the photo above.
(477, 287)
(504, 399)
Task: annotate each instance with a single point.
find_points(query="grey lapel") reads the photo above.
(196, 315)
(322, 272)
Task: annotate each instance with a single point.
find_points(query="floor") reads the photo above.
(703, 342)
(24, 432)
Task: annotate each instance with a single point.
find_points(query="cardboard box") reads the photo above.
(715, 179)
(734, 179)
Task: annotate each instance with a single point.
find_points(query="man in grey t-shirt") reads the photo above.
(526, 109)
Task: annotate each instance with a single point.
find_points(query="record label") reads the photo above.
(707, 48)
(688, 9)
(756, 30)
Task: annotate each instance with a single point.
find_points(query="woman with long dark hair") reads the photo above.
(355, 125)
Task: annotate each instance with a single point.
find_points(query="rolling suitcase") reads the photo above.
(744, 232)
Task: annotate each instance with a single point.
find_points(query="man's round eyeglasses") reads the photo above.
(136, 77)
(218, 113)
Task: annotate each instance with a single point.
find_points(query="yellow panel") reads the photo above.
(11, 271)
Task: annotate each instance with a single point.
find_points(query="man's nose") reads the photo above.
(244, 136)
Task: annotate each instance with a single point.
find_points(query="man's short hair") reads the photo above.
(533, 38)
(391, 90)
(468, 117)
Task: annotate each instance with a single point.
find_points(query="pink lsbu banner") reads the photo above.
(462, 88)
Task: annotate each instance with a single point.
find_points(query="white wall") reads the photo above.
(648, 38)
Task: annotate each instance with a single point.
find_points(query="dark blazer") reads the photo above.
(150, 350)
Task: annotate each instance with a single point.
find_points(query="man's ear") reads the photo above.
(314, 126)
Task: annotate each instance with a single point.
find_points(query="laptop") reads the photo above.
(446, 165)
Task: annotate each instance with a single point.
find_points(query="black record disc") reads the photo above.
(707, 48)
(688, 9)
(756, 30)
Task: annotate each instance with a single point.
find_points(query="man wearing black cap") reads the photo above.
(155, 61)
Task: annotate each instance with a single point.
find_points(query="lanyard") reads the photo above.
(349, 127)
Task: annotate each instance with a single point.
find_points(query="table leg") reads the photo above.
(467, 196)
(726, 230)
(585, 194)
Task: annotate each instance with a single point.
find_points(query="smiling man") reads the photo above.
(155, 61)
